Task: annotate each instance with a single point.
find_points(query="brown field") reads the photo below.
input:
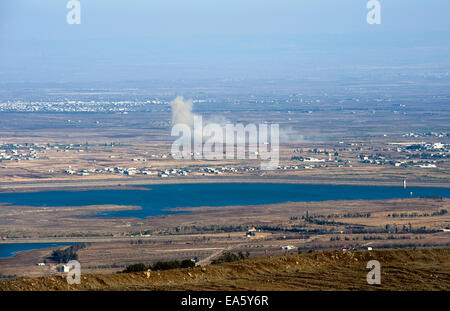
(407, 269)
(96, 142)
(208, 231)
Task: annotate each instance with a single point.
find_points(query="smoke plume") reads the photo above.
(182, 114)
(182, 111)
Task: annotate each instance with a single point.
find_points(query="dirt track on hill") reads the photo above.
(406, 269)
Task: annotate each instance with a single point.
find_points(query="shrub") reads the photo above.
(160, 266)
(230, 257)
(187, 263)
(65, 255)
(138, 267)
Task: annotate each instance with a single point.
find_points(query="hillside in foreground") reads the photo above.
(401, 269)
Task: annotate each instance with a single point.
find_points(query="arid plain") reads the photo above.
(83, 151)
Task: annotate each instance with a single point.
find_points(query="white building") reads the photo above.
(287, 247)
(64, 268)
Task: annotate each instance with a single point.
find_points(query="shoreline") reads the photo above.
(134, 183)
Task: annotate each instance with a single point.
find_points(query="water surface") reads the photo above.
(159, 198)
(10, 249)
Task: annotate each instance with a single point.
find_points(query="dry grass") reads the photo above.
(407, 269)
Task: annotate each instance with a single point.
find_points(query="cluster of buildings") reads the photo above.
(112, 170)
(427, 134)
(19, 152)
(162, 173)
(79, 106)
(422, 155)
(205, 171)
(119, 106)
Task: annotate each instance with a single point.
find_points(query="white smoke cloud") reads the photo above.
(290, 135)
(182, 111)
(182, 114)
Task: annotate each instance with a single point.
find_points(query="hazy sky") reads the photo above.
(179, 39)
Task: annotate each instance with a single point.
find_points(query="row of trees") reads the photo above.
(160, 266)
(187, 263)
(411, 215)
(65, 255)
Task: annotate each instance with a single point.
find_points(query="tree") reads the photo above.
(139, 267)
